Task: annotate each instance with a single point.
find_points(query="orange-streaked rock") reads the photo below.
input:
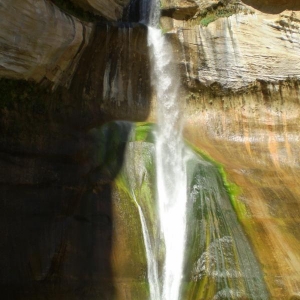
(257, 140)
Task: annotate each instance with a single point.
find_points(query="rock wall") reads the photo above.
(237, 50)
(38, 41)
(240, 67)
(112, 9)
(58, 203)
(255, 136)
(56, 217)
(114, 72)
(267, 6)
(273, 6)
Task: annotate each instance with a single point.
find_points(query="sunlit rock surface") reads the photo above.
(181, 8)
(182, 5)
(111, 9)
(241, 72)
(38, 40)
(236, 51)
(242, 94)
(256, 137)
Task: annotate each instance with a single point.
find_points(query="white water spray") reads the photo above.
(170, 164)
(225, 260)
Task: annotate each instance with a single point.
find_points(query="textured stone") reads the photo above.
(112, 9)
(242, 76)
(273, 6)
(37, 40)
(114, 72)
(182, 4)
(255, 136)
(56, 215)
(238, 50)
(267, 6)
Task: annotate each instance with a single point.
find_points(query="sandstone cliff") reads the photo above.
(239, 63)
(236, 45)
(240, 66)
(40, 41)
(112, 9)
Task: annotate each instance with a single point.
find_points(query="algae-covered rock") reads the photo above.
(219, 262)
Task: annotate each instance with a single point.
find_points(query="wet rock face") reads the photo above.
(243, 107)
(38, 40)
(56, 189)
(240, 66)
(114, 72)
(112, 9)
(255, 137)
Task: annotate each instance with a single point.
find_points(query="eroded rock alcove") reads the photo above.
(67, 69)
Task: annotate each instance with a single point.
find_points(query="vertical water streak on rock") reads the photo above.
(226, 267)
(150, 254)
(106, 81)
(184, 54)
(129, 85)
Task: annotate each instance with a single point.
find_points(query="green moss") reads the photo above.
(220, 11)
(212, 219)
(232, 189)
(211, 17)
(144, 132)
(76, 11)
(129, 220)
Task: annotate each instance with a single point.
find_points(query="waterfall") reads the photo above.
(214, 252)
(171, 173)
(170, 165)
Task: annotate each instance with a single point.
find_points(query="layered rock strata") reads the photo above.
(40, 41)
(235, 51)
(255, 136)
(114, 72)
(112, 9)
(240, 67)
(273, 6)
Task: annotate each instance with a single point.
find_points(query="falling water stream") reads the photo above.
(170, 165)
(211, 257)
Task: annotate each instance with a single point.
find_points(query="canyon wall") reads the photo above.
(240, 67)
(38, 41)
(240, 70)
(112, 9)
